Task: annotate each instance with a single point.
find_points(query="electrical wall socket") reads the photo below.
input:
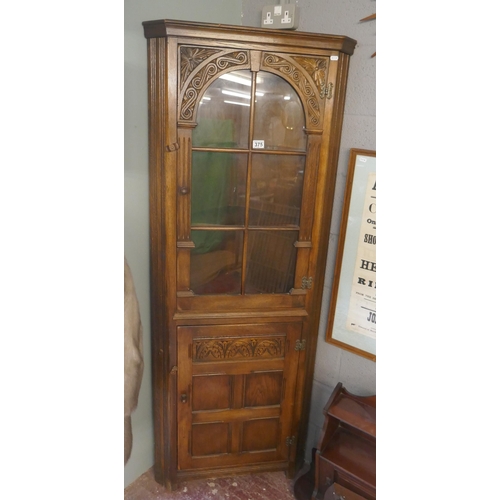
(282, 17)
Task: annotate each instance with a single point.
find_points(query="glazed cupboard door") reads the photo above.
(247, 176)
(250, 142)
(237, 387)
(244, 134)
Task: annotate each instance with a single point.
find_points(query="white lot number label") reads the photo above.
(258, 144)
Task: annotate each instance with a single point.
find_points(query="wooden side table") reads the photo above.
(344, 464)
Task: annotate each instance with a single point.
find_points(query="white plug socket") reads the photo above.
(285, 16)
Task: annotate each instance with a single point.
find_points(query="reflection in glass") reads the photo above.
(276, 190)
(279, 116)
(271, 261)
(216, 262)
(224, 112)
(218, 183)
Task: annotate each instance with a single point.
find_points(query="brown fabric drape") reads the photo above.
(134, 362)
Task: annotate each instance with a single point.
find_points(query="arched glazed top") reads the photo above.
(200, 66)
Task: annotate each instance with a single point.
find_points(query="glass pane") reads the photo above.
(276, 190)
(218, 183)
(271, 261)
(224, 112)
(216, 262)
(279, 116)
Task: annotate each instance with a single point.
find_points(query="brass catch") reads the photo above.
(326, 91)
(306, 282)
(300, 345)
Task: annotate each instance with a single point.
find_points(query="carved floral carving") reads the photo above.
(225, 349)
(196, 79)
(199, 65)
(191, 57)
(297, 69)
(316, 68)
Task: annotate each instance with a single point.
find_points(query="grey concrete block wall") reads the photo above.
(341, 17)
(320, 16)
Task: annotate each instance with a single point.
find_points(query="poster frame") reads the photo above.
(349, 342)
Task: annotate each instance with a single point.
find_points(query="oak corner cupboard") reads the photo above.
(244, 133)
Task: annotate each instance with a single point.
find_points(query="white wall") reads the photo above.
(136, 239)
(339, 17)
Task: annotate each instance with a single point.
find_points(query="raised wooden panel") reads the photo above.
(210, 439)
(211, 392)
(263, 389)
(260, 435)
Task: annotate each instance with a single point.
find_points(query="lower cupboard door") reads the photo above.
(236, 391)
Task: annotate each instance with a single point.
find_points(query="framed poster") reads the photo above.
(352, 314)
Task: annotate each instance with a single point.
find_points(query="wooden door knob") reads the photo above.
(184, 190)
(184, 398)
